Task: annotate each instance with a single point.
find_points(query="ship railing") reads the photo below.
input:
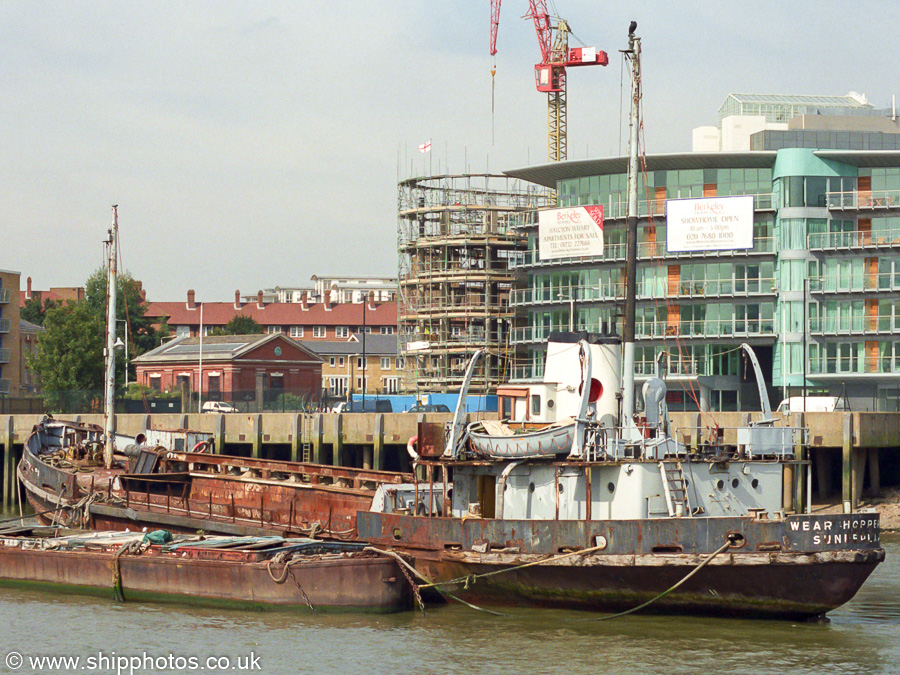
(756, 441)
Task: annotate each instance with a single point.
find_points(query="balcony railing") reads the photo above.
(4, 295)
(863, 200)
(846, 283)
(617, 208)
(857, 325)
(684, 289)
(823, 241)
(648, 250)
(648, 330)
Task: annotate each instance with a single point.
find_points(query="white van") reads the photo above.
(811, 403)
(218, 407)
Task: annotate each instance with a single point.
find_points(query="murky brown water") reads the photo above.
(862, 637)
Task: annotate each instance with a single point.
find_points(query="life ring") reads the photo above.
(411, 448)
(202, 446)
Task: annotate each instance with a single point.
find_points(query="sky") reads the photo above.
(251, 145)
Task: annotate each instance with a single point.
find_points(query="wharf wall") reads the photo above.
(853, 450)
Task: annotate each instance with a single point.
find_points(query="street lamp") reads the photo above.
(125, 321)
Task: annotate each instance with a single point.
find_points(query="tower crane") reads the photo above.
(550, 73)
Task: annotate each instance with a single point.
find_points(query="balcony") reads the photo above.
(658, 330)
(869, 200)
(4, 295)
(836, 241)
(839, 284)
(5, 355)
(616, 209)
(854, 326)
(648, 250)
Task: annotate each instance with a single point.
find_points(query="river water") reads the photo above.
(107, 637)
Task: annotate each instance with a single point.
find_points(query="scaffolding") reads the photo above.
(456, 237)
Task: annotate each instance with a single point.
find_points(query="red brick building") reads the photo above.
(303, 320)
(234, 367)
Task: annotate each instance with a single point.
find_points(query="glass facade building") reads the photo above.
(816, 295)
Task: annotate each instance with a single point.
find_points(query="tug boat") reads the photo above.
(623, 515)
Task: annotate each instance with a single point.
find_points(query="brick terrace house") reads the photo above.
(344, 364)
(302, 320)
(235, 367)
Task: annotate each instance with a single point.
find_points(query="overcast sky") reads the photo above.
(254, 144)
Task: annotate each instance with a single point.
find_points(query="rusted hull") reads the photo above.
(345, 584)
(776, 571)
(219, 494)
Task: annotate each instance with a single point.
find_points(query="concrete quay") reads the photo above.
(853, 450)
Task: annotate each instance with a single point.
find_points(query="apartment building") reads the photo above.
(815, 294)
(10, 351)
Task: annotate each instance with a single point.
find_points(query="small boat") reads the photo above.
(499, 440)
(242, 572)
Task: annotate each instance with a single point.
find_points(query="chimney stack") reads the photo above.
(237, 299)
(371, 300)
(259, 300)
(326, 300)
(304, 301)
(28, 288)
(190, 303)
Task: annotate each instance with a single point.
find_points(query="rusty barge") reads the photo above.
(150, 485)
(241, 572)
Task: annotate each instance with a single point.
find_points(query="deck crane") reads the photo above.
(550, 73)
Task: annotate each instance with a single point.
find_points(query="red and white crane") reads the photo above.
(550, 73)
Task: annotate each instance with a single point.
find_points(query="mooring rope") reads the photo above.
(473, 577)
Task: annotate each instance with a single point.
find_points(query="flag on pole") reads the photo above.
(425, 147)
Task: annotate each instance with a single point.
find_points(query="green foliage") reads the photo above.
(69, 354)
(35, 311)
(239, 325)
(137, 392)
(130, 307)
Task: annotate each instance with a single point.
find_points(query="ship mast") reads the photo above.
(631, 220)
(110, 351)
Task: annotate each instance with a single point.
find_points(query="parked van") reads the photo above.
(811, 403)
(218, 407)
(371, 405)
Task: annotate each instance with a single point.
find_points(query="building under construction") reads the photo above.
(455, 241)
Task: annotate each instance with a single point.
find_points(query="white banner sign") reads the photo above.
(570, 233)
(712, 224)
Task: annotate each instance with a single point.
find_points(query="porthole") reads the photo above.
(720, 485)
(686, 482)
(559, 487)
(550, 403)
(754, 483)
(734, 482)
(531, 487)
(397, 534)
(611, 487)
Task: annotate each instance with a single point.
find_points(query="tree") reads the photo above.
(34, 310)
(69, 354)
(239, 325)
(130, 308)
